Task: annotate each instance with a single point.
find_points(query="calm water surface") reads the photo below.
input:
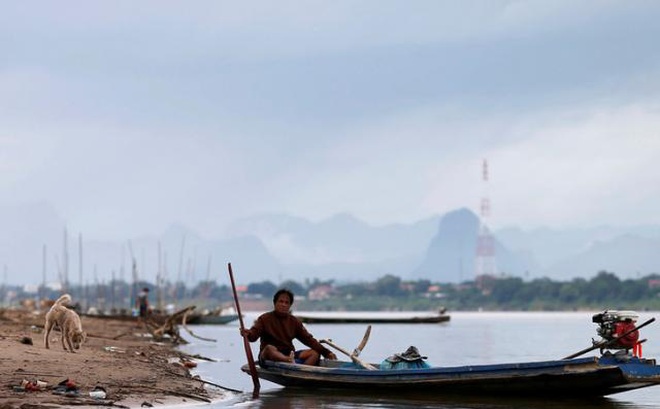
(469, 338)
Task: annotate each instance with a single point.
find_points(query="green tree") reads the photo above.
(295, 287)
(388, 285)
(605, 287)
(568, 293)
(506, 291)
(264, 288)
(421, 286)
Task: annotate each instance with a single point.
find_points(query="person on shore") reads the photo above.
(142, 305)
(278, 328)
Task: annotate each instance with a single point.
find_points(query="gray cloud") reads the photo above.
(128, 117)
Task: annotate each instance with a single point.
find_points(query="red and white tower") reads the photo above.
(485, 257)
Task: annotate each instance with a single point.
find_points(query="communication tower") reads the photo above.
(485, 257)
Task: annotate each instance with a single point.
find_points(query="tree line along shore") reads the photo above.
(388, 293)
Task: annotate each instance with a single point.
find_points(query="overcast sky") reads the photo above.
(130, 116)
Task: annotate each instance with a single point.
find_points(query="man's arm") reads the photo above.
(308, 339)
(254, 333)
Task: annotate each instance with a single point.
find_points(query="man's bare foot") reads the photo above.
(292, 357)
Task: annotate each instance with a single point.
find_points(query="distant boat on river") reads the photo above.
(218, 316)
(373, 318)
(211, 319)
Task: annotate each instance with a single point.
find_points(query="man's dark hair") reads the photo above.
(283, 291)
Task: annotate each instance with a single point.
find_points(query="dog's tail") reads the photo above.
(63, 300)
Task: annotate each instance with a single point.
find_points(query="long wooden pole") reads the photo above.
(365, 365)
(246, 342)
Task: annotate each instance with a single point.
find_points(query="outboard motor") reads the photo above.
(612, 325)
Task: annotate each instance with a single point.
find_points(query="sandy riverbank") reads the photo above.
(117, 356)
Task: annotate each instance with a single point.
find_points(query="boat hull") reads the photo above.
(569, 378)
(211, 319)
(373, 320)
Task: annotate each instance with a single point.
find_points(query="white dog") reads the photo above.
(68, 322)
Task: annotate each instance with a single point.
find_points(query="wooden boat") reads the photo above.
(217, 316)
(619, 368)
(211, 319)
(363, 318)
(580, 377)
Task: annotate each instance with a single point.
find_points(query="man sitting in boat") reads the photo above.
(278, 328)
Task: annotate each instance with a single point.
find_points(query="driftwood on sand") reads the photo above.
(171, 327)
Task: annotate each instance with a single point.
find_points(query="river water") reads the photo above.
(469, 338)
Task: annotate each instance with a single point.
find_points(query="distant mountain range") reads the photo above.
(443, 248)
(279, 247)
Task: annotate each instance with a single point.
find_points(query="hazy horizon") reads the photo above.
(121, 119)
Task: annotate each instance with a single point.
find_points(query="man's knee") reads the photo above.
(267, 352)
(309, 357)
